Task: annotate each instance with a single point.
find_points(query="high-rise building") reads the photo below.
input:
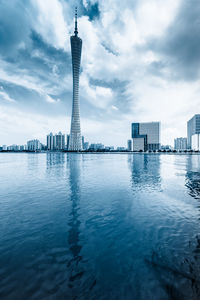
(56, 142)
(95, 147)
(22, 147)
(59, 143)
(193, 133)
(129, 145)
(146, 136)
(121, 148)
(13, 148)
(75, 142)
(109, 148)
(67, 146)
(33, 145)
(180, 143)
(50, 141)
(86, 146)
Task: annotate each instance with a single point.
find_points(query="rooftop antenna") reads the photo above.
(76, 29)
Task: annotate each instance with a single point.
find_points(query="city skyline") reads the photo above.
(145, 138)
(137, 67)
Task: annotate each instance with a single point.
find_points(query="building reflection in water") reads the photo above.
(74, 264)
(192, 183)
(55, 158)
(145, 171)
(193, 176)
(55, 164)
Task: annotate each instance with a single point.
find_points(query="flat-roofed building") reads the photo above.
(180, 143)
(193, 132)
(196, 142)
(33, 145)
(129, 145)
(56, 142)
(146, 136)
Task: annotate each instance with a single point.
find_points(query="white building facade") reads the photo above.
(33, 145)
(146, 136)
(180, 143)
(56, 142)
(193, 132)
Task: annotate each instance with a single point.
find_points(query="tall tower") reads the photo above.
(75, 142)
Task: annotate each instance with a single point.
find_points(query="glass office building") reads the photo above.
(193, 132)
(146, 136)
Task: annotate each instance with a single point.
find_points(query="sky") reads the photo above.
(140, 62)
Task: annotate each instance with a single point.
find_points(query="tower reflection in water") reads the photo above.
(145, 171)
(74, 264)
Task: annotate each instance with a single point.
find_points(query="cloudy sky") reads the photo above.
(140, 62)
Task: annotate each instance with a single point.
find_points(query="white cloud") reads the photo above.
(25, 126)
(114, 107)
(5, 96)
(97, 96)
(50, 99)
(153, 17)
(49, 22)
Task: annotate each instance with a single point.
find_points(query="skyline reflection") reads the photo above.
(192, 177)
(145, 171)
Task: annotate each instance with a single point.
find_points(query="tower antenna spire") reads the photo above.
(76, 28)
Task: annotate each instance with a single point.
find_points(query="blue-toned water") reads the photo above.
(99, 226)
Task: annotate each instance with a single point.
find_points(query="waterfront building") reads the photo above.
(67, 145)
(22, 148)
(109, 148)
(95, 147)
(180, 143)
(129, 145)
(4, 148)
(13, 148)
(50, 141)
(166, 147)
(43, 147)
(193, 133)
(121, 149)
(59, 141)
(75, 141)
(86, 146)
(33, 145)
(146, 136)
(196, 142)
(56, 142)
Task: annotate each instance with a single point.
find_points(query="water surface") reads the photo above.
(99, 226)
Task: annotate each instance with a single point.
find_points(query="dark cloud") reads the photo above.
(180, 46)
(14, 27)
(48, 57)
(92, 11)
